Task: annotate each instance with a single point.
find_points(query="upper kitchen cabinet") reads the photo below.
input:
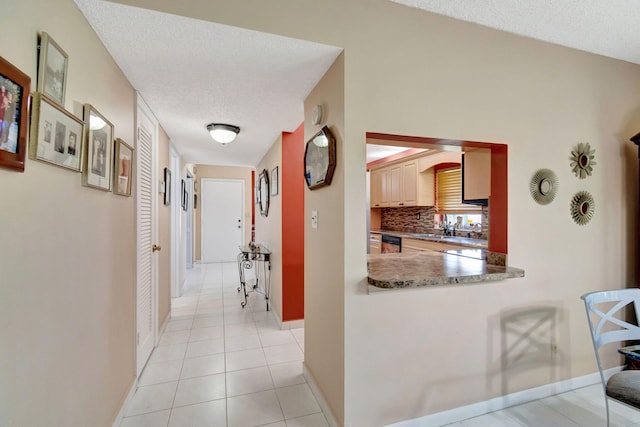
(402, 184)
(476, 176)
(379, 195)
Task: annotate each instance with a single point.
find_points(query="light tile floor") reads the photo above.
(582, 407)
(219, 365)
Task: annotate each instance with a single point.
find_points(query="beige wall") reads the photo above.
(324, 268)
(181, 245)
(67, 252)
(224, 172)
(269, 228)
(164, 234)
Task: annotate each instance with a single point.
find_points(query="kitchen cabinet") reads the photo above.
(394, 185)
(402, 184)
(476, 176)
(410, 183)
(378, 185)
(375, 243)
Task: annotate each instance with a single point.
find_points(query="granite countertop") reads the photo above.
(432, 268)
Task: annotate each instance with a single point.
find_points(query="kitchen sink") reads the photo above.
(429, 236)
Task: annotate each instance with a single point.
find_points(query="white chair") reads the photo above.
(606, 314)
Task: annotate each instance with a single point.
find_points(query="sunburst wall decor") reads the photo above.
(544, 186)
(582, 160)
(582, 207)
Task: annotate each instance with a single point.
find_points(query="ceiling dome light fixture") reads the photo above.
(222, 133)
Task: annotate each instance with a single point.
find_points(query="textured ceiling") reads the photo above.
(605, 27)
(192, 73)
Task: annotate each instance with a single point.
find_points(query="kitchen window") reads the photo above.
(449, 193)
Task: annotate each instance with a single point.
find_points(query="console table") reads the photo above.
(255, 257)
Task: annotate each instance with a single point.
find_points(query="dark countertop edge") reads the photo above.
(449, 240)
(509, 273)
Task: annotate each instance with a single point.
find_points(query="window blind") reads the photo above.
(449, 192)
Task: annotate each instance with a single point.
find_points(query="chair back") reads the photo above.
(605, 313)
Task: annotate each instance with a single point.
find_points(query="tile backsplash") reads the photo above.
(406, 220)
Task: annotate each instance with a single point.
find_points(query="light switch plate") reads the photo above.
(314, 219)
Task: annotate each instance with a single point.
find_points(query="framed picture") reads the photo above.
(263, 193)
(167, 186)
(184, 195)
(99, 151)
(57, 136)
(122, 168)
(320, 159)
(14, 98)
(52, 69)
(274, 181)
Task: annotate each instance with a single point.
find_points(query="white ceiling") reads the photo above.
(192, 72)
(605, 27)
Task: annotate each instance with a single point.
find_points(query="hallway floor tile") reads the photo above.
(222, 365)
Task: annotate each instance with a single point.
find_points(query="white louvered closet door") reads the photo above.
(146, 236)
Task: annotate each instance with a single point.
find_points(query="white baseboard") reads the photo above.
(502, 402)
(328, 414)
(164, 324)
(125, 404)
(290, 324)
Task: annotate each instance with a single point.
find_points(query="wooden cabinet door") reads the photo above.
(394, 191)
(378, 188)
(409, 184)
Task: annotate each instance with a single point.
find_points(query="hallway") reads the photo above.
(218, 364)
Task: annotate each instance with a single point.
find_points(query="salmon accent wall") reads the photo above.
(292, 184)
(498, 200)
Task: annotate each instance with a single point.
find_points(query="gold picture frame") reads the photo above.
(98, 162)
(57, 136)
(52, 69)
(122, 168)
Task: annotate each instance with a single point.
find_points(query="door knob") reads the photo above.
(156, 248)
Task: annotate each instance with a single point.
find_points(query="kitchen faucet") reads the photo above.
(446, 231)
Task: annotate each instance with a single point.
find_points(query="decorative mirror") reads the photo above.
(544, 186)
(582, 160)
(582, 207)
(262, 191)
(320, 159)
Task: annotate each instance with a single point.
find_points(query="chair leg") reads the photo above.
(606, 404)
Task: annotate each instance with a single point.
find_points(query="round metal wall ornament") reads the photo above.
(582, 207)
(582, 160)
(544, 186)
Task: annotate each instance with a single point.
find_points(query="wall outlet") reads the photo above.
(314, 219)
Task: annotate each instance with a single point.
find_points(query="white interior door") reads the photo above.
(146, 321)
(222, 219)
